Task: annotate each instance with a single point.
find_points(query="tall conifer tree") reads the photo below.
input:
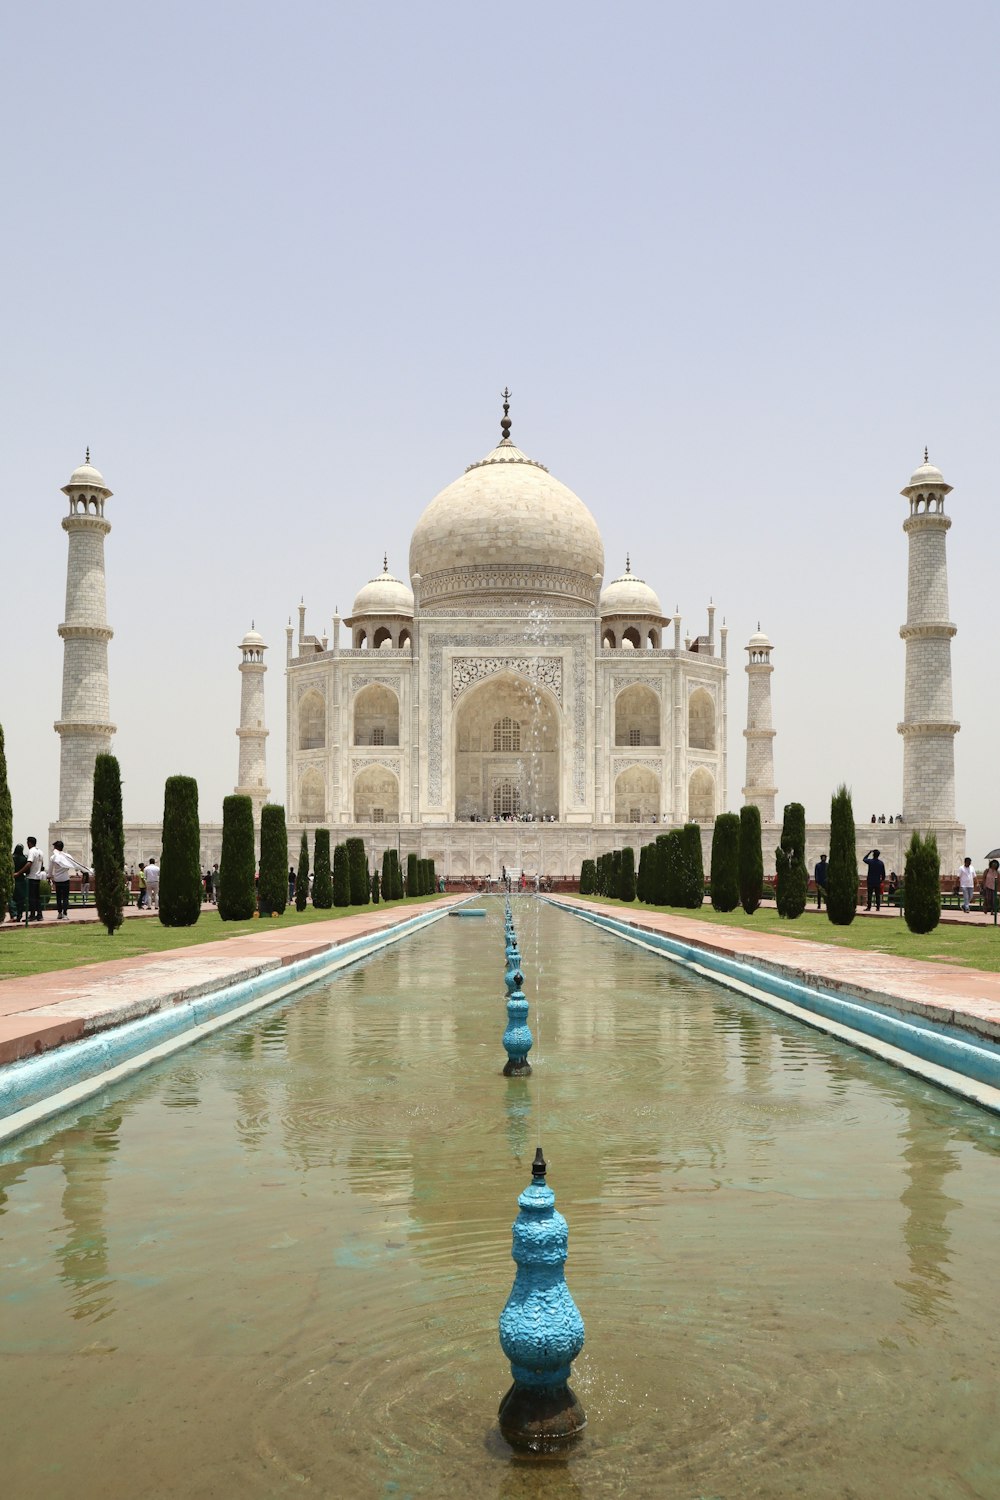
(302, 875)
(107, 842)
(6, 835)
(842, 866)
(180, 865)
(322, 873)
(751, 859)
(236, 893)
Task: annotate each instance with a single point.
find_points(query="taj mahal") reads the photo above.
(507, 706)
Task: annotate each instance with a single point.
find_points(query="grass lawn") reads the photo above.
(57, 945)
(974, 947)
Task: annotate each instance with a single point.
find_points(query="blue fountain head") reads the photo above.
(541, 1330)
(517, 1038)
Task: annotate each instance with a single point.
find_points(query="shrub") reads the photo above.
(626, 880)
(751, 859)
(412, 888)
(642, 874)
(107, 843)
(387, 891)
(659, 871)
(272, 894)
(692, 869)
(236, 894)
(922, 884)
(322, 875)
(792, 886)
(397, 876)
(358, 865)
(302, 875)
(7, 836)
(726, 862)
(341, 876)
(376, 889)
(588, 878)
(180, 865)
(842, 866)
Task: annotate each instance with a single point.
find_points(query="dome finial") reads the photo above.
(628, 563)
(385, 562)
(87, 459)
(505, 423)
(926, 459)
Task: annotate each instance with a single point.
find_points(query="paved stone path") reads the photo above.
(953, 993)
(42, 1011)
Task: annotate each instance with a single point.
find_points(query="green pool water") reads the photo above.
(273, 1266)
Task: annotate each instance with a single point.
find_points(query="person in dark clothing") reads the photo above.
(876, 875)
(819, 875)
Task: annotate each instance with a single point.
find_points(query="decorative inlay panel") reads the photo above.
(467, 670)
(358, 681)
(620, 683)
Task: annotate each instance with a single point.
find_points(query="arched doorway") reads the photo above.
(506, 751)
(376, 716)
(637, 716)
(637, 795)
(376, 795)
(701, 795)
(701, 720)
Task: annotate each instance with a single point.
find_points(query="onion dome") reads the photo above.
(384, 595)
(506, 527)
(925, 477)
(629, 595)
(86, 477)
(759, 641)
(253, 639)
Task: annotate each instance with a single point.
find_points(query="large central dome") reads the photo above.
(506, 528)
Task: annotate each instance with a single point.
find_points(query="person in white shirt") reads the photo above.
(36, 869)
(966, 882)
(61, 867)
(153, 884)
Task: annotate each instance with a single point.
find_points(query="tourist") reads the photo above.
(209, 886)
(966, 882)
(61, 868)
(84, 884)
(36, 869)
(820, 876)
(991, 879)
(876, 875)
(19, 892)
(141, 877)
(291, 883)
(893, 885)
(153, 884)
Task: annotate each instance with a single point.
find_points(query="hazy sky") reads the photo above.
(274, 265)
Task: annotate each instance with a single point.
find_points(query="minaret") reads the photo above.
(760, 789)
(928, 728)
(84, 729)
(252, 734)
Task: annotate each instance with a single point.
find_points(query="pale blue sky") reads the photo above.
(274, 265)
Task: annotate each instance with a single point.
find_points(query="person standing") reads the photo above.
(291, 884)
(820, 875)
(141, 882)
(19, 893)
(876, 875)
(84, 884)
(991, 879)
(36, 869)
(61, 868)
(209, 886)
(153, 884)
(966, 882)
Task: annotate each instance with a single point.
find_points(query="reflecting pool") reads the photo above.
(274, 1264)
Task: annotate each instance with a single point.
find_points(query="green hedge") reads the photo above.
(922, 884)
(272, 892)
(842, 866)
(726, 862)
(180, 865)
(341, 876)
(626, 877)
(751, 859)
(322, 874)
(588, 878)
(302, 875)
(692, 869)
(236, 894)
(792, 884)
(107, 843)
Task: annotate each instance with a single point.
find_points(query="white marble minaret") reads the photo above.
(928, 728)
(84, 729)
(252, 734)
(760, 789)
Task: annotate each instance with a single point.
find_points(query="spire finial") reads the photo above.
(253, 624)
(505, 423)
(628, 563)
(926, 459)
(539, 1166)
(87, 459)
(385, 562)
(758, 625)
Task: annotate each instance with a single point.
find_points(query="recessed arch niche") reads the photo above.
(376, 716)
(701, 795)
(701, 720)
(637, 795)
(376, 795)
(637, 716)
(506, 711)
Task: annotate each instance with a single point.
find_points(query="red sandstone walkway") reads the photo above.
(47, 1010)
(968, 998)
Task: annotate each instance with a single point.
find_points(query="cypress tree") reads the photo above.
(422, 877)
(7, 836)
(726, 862)
(615, 876)
(358, 864)
(273, 890)
(642, 874)
(842, 866)
(237, 897)
(692, 869)
(397, 877)
(626, 881)
(411, 875)
(387, 891)
(663, 869)
(588, 878)
(376, 889)
(341, 876)
(107, 842)
(302, 875)
(322, 875)
(922, 884)
(790, 859)
(180, 864)
(751, 859)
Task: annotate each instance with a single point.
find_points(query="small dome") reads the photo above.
(253, 638)
(384, 595)
(629, 595)
(759, 642)
(86, 477)
(925, 477)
